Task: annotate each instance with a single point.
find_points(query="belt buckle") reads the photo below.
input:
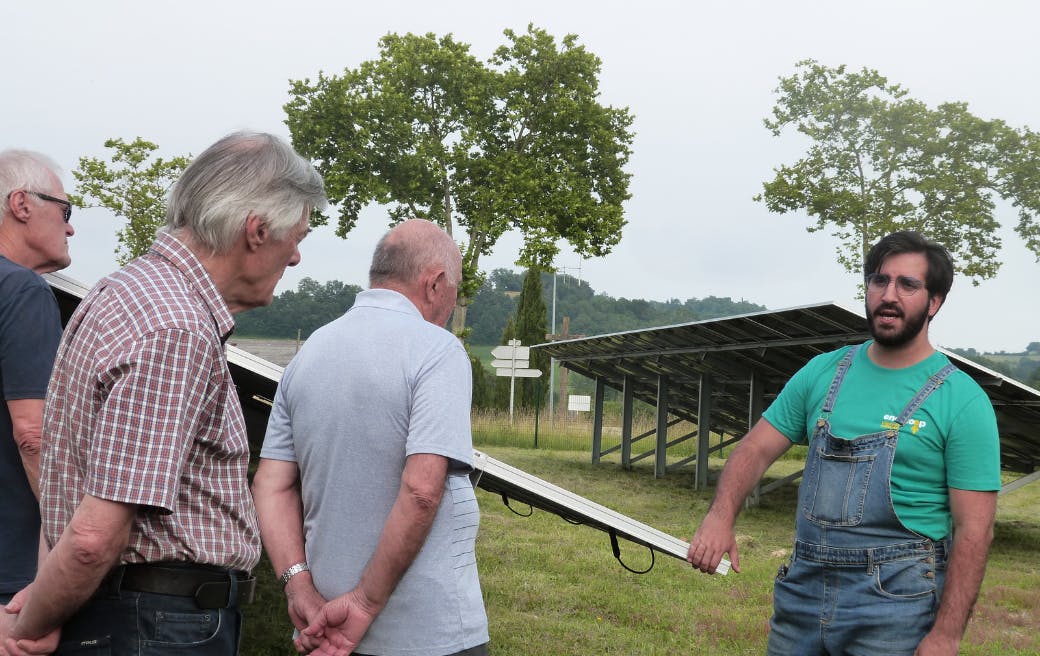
(208, 595)
(218, 594)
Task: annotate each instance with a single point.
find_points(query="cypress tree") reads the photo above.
(530, 327)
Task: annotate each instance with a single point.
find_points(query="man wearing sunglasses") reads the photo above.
(34, 232)
(896, 505)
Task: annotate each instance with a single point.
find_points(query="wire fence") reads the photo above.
(571, 431)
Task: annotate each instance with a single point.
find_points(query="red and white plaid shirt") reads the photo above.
(141, 409)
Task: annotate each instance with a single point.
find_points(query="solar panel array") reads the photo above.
(769, 346)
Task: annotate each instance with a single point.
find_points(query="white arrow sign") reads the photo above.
(509, 364)
(512, 360)
(519, 373)
(511, 352)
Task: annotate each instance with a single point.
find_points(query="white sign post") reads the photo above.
(513, 360)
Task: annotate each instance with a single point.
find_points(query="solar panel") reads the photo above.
(517, 485)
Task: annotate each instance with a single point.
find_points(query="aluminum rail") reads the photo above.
(515, 484)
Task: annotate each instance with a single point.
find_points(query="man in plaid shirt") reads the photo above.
(144, 498)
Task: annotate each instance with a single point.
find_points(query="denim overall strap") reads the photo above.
(934, 381)
(839, 377)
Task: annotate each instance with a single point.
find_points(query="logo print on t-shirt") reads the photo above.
(889, 423)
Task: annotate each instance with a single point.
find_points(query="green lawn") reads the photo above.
(553, 588)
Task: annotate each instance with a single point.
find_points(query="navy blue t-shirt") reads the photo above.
(30, 329)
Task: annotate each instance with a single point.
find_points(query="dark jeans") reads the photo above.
(145, 624)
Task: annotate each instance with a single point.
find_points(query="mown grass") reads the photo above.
(553, 588)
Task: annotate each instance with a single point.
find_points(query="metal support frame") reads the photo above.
(756, 405)
(685, 461)
(642, 436)
(703, 430)
(661, 461)
(781, 482)
(597, 421)
(626, 422)
(1020, 482)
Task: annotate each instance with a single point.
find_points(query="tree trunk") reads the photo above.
(458, 318)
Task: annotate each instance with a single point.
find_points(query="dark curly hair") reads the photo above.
(940, 262)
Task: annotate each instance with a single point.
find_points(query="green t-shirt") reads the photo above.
(951, 441)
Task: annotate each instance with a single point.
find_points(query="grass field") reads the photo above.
(553, 588)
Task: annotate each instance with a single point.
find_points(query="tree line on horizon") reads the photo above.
(313, 304)
(1023, 367)
(509, 305)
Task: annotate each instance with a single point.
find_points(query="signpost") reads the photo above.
(513, 360)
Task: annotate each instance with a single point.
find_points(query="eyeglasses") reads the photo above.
(877, 283)
(67, 204)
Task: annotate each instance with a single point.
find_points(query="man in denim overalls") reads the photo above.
(896, 506)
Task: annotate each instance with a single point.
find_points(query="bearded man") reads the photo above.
(896, 505)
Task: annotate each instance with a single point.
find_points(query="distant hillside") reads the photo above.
(590, 313)
(313, 304)
(1023, 367)
(305, 309)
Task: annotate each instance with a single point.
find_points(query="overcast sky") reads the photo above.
(698, 77)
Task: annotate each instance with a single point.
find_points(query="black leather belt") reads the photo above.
(211, 587)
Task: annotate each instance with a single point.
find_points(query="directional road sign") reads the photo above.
(513, 360)
(511, 352)
(509, 364)
(519, 373)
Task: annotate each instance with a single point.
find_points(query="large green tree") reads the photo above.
(301, 311)
(519, 142)
(880, 161)
(133, 186)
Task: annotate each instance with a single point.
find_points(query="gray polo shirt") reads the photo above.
(367, 390)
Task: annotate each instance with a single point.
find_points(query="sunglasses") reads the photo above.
(65, 203)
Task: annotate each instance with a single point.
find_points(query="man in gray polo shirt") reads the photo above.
(363, 492)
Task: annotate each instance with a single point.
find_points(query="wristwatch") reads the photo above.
(293, 571)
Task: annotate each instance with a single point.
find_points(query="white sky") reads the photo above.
(698, 76)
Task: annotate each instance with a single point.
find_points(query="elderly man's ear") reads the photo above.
(18, 205)
(256, 231)
(438, 278)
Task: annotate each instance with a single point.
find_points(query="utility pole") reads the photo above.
(565, 334)
(552, 334)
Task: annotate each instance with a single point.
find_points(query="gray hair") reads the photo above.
(403, 259)
(244, 173)
(25, 170)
